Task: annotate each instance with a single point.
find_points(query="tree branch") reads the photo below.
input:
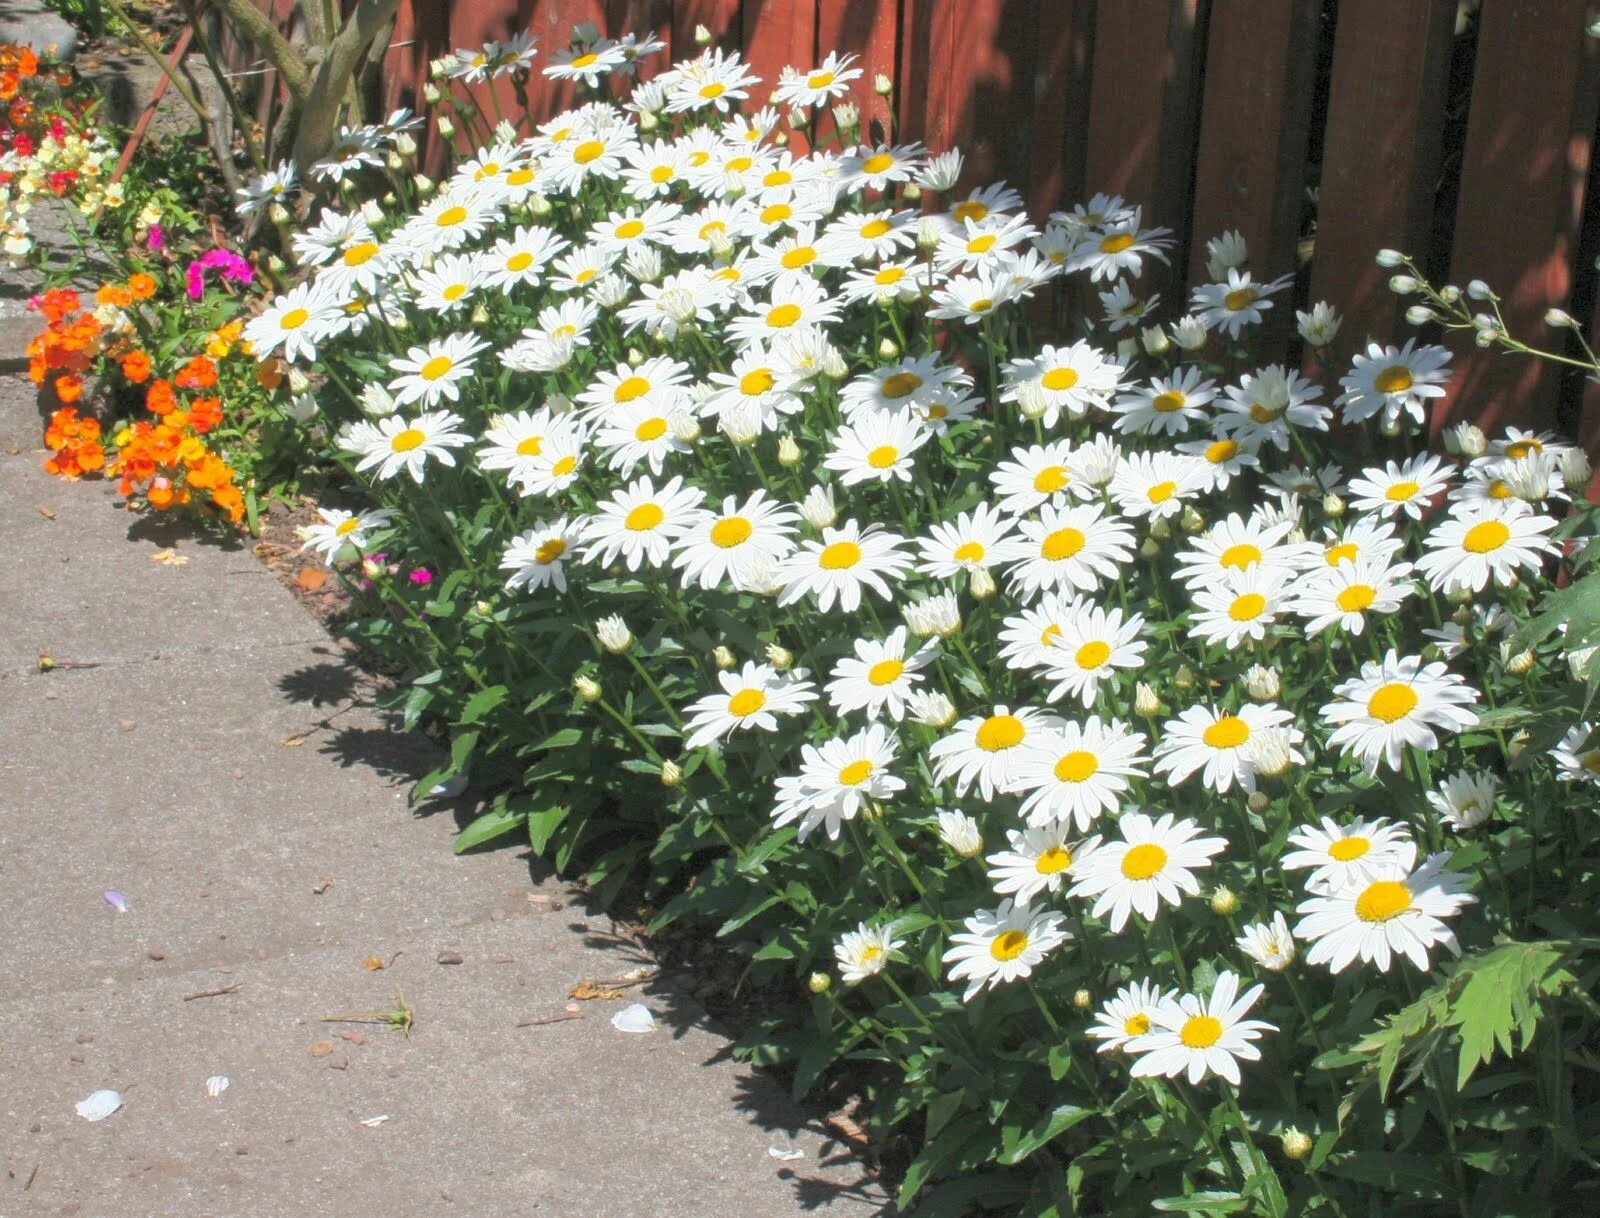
(320, 106)
(259, 29)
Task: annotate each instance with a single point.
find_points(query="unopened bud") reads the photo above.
(1160, 529)
(539, 205)
(882, 85)
(431, 94)
(1224, 901)
(1145, 702)
(846, 117)
(1520, 663)
(614, 634)
(834, 366)
(1149, 549)
(405, 145)
(1082, 999)
(685, 427)
(1184, 677)
(781, 657)
(788, 450)
(1258, 802)
(1262, 683)
(1390, 258)
(671, 774)
(447, 126)
(928, 234)
(1479, 290)
(1332, 505)
(586, 688)
(1403, 285)
(723, 658)
(1296, 1145)
(1420, 315)
(888, 349)
(911, 192)
(1575, 470)
(799, 118)
(1190, 520)
(423, 183)
(818, 983)
(1155, 340)
(981, 584)
(702, 36)
(960, 833)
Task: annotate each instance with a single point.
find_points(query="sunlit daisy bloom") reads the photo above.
(571, 320)
(895, 280)
(653, 169)
(877, 447)
(635, 47)
(1152, 865)
(1092, 644)
(1038, 861)
(876, 235)
(1116, 249)
(794, 253)
(975, 245)
(879, 677)
(996, 948)
(336, 529)
(557, 466)
(581, 269)
(721, 544)
(1396, 703)
(624, 230)
(1391, 381)
(1408, 488)
(448, 222)
(1196, 1036)
(1267, 406)
(353, 149)
(489, 167)
(751, 698)
(639, 525)
(269, 187)
(1339, 856)
(599, 151)
(638, 431)
(1225, 459)
(658, 381)
(1465, 800)
(1487, 542)
(1240, 605)
(1235, 546)
(1297, 481)
(683, 299)
(1078, 772)
(1167, 406)
(847, 559)
(757, 386)
(1453, 638)
(1078, 547)
(1126, 1015)
(1232, 305)
(828, 80)
(986, 749)
(1155, 484)
(794, 304)
(1530, 479)
(712, 81)
(1031, 635)
(435, 371)
(1215, 742)
(395, 444)
(970, 298)
(516, 441)
(1397, 912)
(521, 258)
(1367, 539)
(535, 556)
(1517, 443)
(449, 283)
(1100, 211)
(586, 63)
(471, 66)
(1269, 944)
(835, 781)
(294, 323)
(1123, 309)
(1577, 756)
(1070, 379)
(894, 387)
(865, 951)
(1345, 595)
(966, 544)
(1037, 475)
(874, 168)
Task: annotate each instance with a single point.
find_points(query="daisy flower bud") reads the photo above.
(1390, 258)
(931, 708)
(781, 139)
(1191, 521)
(834, 365)
(942, 172)
(928, 234)
(447, 127)
(1575, 469)
(671, 774)
(1332, 505)
(1155, 340)
(888, 349)
(788, 450)
(1189, 333)
(723, 658)
(1258, 802)
(1486, 337)
(431, 94)
(1031, 400)
(1184, 677)
(721, 246)
(1479, 290)
(911, 192)
(1160, 530)
(614, 634)
(1224, 901)
(1516, 664)
(1082, 999)
(394, 162)
(1269, 944)
(1127, 350)
(781, 657)
(1145, 702)
(1262, 683)
(1402, 285)
(818, 983)
(818, 509)
(644, 264)
(799, 119)
(846, 117)
(981, 585)
(741, 428)
(1319, 325)
(1149, 549)
(611, 291)
(540, 205)
(882, 85)
(702, 36)
(1296, 1145)
(586, 688)
(423, 183)
(959, 831)
(1517, 746)
(1225, 253)
(936, 615)
(1390, 428)
(1419, 315)
(1465, 801)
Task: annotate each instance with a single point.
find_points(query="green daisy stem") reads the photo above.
(1231, 1102)
(1044, 1009)
(1172, 944)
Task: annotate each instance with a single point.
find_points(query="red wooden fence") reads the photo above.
(1457, 130)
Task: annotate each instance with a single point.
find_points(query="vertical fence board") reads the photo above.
(1250, 164)
(871, 29)
(640, 18)
(721, 17)
(1381, 156)
(778, 34)
(1058, 97)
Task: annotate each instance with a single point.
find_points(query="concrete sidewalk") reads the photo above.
(153, 761)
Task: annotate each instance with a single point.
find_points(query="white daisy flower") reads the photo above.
(586, 63)
(865, 951)
(658, 380)
(1477, 544)
(895, 280)
(1089, 646)
(535, 556)
(1036, 475)
(1038, 861)
(1078, 772)
(1224, 459)
(721, 545)
(1240, 606)
(1123, 309)
(556, 467)
(1078, 547)
(1391, 381)
(1118, 248)
(996, 948)
(896, 387)
(878, 447)
(794, 304)
(879, 677)
(1344, 596)
(847, 559)
(1409, 487)
(1465, 800)
(986, 749)
(639, 525)
(968, 543)
(1269, 944)
(835, 781)
(393, 444)
(434, 371)
(1196, 1037)
(1396, 703)
(643, 430)
(520, 259)
(1070, 379)
(1216, 743)
(752, 698)
(336, 529)
(516, 442)
(295, 322)
(1399, 912)
(1340, 856)
(1235, 303)
(1235, 546)
(1155, 484)
(1577, 756)
(712, 81)
(1267, 407)
(1364, 539)
(969, 298)
(1167, 406)
(875, 168)
(1152, 865)
(874, 235)
(1128, 1014)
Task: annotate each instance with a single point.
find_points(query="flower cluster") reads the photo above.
(74, 443)
(164, 461)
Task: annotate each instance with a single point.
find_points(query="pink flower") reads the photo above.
(156, 239)
(422, 577)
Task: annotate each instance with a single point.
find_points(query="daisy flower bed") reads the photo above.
(1158, 780)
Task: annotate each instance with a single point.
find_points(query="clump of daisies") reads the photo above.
(1032, 681)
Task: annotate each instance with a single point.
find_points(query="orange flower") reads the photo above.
(136, 367)
(229, 500)
(205, 413)
(198, 373)
(69, 387)
(113, 294)
(160, 494)
(142, 286)
(270, 374)
(58, 303)
(159, 398)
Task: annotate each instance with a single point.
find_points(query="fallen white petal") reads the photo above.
(373, 1122)
(116, 900)
(99, 1106)
(777, 1152)
(449, 788)
(635, 1018)
(216, 1085)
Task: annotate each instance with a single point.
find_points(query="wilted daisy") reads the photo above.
(1075, 547)
(1391, 381)
(1344, 595)
(1215, 743)
(1127, 1014)
(986, 749)
(879, 677)
(835, 780)
(720, 544)
(639, 525)
(1397, 912)
(1070, 379)
(753, 697)
(1577, 756)
(1167, 406)
(434, 371)
(1090, 646)
(336, 529)
(1038, 861)
(535, 556)
(1077, 771)
(1152, 865)
(1409, 487)
(1396, 703)
(392, 444)
(1196, 1036)
(1002, 946)
(1465, 800)
(1340, 855)
(1269, 944)
(847, 559)
(1477, 544)
(865, 951)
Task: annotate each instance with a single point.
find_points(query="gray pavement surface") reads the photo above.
(204, 749)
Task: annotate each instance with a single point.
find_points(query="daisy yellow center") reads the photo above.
(889, 276)
(899, 384)
(531, 447)
(885, 672)
(713, 91)
(869, 953)
(644, 517)
(1228, 732)
(294, 319)
(631, 388)
(699, 158)
(455, 291)
(746, 702)
(856, 773)
(1248, 607)
(1401, 491)
(970, 209)
(873, 229)
(1053, 861)
(451, 216)
(519, 261)
(405, 441)
(1382, 901)
(1499, 489)
(1059, 378)
(585, 275)
(884, 456)
(1143, 861)
(1063, 544)
(359, 253)
(731, 531)
(489, 169)
(934, 412)
(1049, 635)
(1239, 298)
(1518, 449)
(520, 177)
(969, 551)
(819, 80)
(775, 214)
(840, 556)
(1050, 479)
(550, 550)
(1591, 761)
(1486, 537)
(739, 164)
(661, 174)
(1093, 654)
(784, 316)
(1260, 412)
(1348, 849)
(982, 244)
(1200, 1031)
(1162, 491)
(437, 367)
(980, 306)
(629, 229)
(801, 255)
(1240, 556)
(1391, 702)
(1115, 243)
(1009, 945)
(711, 228)
(588, 151)
(1136, 1025)
(879, 163)
(585, 60)
(778, 177)
(1167, 403)
(1345, 551)
(1221, 451)
(345, 527)
(999, 732)
(1394, 379)
(1356, 597)
(1077, 766)
(564, 466)
(650, 429)
(754, 384)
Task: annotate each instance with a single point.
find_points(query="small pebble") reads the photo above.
(126, 725)
(449, 957)
(238, 774)
(355, 1038)
(498, 915)
(241, 1150)
(77, 1057)
(321, 1048)
(85, 1039)
(155, 955)
(500, 959)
